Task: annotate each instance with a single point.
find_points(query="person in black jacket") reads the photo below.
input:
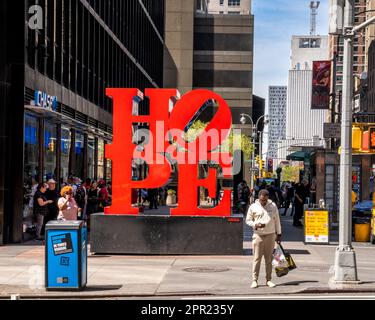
(152, 195)
(289, 198)
(301, 193)
(53, 195)
(40, 208)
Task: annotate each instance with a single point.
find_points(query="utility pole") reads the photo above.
(333, 103)
(345, 270)
(342, 22)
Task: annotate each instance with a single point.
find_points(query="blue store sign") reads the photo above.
(44, 100)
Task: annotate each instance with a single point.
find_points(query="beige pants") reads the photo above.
(263, 245)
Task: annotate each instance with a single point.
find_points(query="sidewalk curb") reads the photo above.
(323, 290)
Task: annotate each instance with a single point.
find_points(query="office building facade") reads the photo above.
(209, 50)
(336, 46)
(55, 69)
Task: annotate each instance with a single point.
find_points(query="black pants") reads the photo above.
(286, 206)
(298, 213)
(153, 203)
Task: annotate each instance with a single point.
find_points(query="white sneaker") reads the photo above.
(254, 285)
(271, 284)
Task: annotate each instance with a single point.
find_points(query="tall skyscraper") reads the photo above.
(277, 99)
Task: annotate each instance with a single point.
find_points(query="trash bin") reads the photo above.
(372, 237)
(362, 230)
(66, 255)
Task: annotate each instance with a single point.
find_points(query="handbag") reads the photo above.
(291, 264)
(279, 262)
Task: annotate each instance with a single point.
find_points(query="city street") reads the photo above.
(192, 277)
(135, 134)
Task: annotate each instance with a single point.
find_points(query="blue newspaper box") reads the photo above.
(66, 255)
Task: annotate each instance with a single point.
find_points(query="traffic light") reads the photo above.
(356, 138)
(371, 131)
(261, 164)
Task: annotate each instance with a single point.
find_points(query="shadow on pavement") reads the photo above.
(98, 256)
(295, 283)
(248, 252)
(103, 288)
(297, 251)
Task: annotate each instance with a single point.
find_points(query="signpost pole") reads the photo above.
(345, 270)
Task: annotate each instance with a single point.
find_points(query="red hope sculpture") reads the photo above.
(122, 154)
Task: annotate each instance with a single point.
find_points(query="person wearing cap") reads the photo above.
(68, 208)
(53, 195)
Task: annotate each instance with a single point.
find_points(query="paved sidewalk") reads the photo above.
(22, 272)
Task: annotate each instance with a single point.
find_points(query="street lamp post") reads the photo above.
(345, 269)
(254, 134)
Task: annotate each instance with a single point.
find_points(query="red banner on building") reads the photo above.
(321, 84)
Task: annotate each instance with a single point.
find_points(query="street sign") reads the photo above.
(316, 226)
(332, 130)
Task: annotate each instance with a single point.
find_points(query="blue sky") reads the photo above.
(275, 23)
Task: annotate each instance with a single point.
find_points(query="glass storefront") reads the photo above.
(100, 159)
(31, 168)
(79, 154)
(91, 157)
(66, 140)
(44, 139)
(50, 151)
(31, 155)
(108, 176)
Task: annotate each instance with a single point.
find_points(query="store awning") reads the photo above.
(298, 156)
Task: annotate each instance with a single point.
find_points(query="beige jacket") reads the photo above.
(268, 215)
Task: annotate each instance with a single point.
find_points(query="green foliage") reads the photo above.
(290, 174)
(232, 143)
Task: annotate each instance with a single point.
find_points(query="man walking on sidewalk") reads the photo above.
(263, 217)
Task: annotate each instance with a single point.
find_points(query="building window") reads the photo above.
(91, 157)
(31, 154)
(108, 176)
(79, 154)
(31, 168)
(221, 2)
(50, 147)
(66, 140)
(100, 159)
(234, 3)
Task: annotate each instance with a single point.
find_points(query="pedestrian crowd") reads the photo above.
(76, 200)
(290, 193)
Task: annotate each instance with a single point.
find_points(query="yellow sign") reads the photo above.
(316, 226)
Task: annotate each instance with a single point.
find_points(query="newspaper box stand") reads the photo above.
(66, 255)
